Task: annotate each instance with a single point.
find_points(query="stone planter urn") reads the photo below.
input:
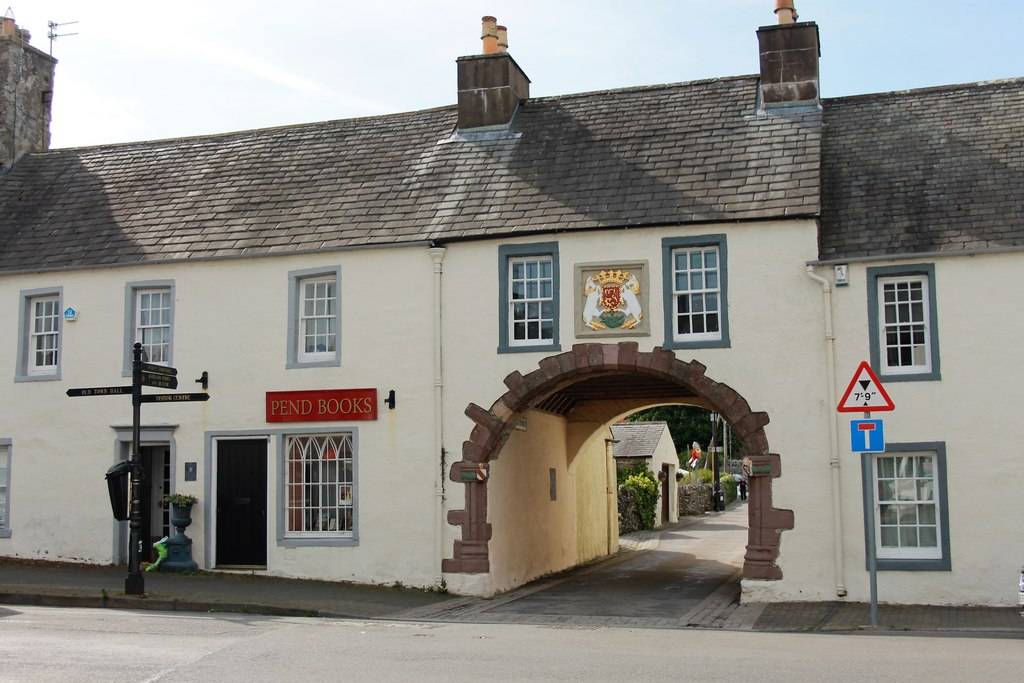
(179, 546)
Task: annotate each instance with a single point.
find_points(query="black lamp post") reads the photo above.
(716, 485)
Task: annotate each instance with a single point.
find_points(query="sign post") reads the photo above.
(866, 393)
(151, 375)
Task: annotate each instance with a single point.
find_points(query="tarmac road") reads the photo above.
(67, 645)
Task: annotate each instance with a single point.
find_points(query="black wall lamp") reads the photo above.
(390, 400)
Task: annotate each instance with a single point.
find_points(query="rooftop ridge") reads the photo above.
(927, 90)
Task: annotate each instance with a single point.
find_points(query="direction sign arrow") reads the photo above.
(100, 391)
(174, 398)
(162, 381)
(158, 369)
(865, 393)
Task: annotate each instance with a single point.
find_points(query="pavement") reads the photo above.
(682, 576)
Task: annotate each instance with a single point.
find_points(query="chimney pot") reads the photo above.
(785, 10)
(489, 34)
(502, 39)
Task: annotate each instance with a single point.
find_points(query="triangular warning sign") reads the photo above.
(865, 393)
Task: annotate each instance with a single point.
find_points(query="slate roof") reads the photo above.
(930, 170)
(637, 439)
(672, 154)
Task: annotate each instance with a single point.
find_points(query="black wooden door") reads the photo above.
(242, 502)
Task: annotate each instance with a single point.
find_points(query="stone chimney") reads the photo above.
(491, 85)
(26, 91)
(789, 54)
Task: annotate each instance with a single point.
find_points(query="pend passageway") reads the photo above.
(685, 574)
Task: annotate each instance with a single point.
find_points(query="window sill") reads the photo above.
(322, 541)
(20, 377)
(296, 365)
(540, 348)
(933, 376)
(896, 565)
(702, 344)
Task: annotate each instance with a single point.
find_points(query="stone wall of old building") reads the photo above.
(26, 91)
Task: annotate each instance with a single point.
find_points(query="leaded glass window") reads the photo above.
(320, 485)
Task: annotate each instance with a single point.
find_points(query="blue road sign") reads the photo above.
(867, 436)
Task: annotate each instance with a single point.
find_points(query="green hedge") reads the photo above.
(729, 486)
(644, 489)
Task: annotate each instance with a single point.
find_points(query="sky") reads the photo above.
(141, 70)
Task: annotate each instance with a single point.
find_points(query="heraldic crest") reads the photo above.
(612, 300)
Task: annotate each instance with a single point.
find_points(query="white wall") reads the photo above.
(231, 320)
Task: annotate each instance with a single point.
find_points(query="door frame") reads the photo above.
(210, 487)
(149, 435)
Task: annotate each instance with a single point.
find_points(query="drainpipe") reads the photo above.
(437, 257)
(833, 436)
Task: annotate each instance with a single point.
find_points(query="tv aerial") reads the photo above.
(52, 32)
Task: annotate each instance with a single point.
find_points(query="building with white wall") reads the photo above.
(522, 273)
(650, 444)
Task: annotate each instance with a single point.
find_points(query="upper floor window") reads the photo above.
(528, 297)
(695, 291)
(318, 336)
(149, 320)
(153, 324)
(39, 341)
(902, 311)
(314, 317)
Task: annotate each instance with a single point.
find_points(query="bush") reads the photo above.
(631, 470)
(729, 486)
(644, 489)
(701, 476)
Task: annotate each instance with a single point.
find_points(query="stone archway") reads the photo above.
(587, 361)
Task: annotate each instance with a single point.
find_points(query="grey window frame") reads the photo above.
(295, 280)
(926, 270)
(942, 563)
(21, 368)
(668, 245)
(507, 252)
(286, 541)
(5, 531)
(131, 290)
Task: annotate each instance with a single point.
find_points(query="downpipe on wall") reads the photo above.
(833, 436)
(437, 257)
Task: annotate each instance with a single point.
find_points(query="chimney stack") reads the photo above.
(789, 53)
(26, 92)
(491, 85)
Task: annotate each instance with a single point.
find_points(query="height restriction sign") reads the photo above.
(865, 394)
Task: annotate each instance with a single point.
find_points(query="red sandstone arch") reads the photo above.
(586, 361)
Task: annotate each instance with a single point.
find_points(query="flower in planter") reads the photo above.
(180, 499)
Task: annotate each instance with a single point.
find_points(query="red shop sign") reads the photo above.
(322, 405)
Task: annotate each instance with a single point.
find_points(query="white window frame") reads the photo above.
(925, 322)
(330, 318)
(908, 552)
(6, 458)
(296, 357)
(132, 292)
(35, 336)
(25, 369)
(527, 301)
(168, 325)
(704, 290)
(343, 479)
